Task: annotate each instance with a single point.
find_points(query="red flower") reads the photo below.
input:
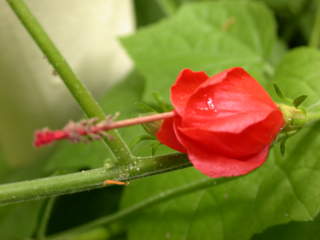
(225, 123)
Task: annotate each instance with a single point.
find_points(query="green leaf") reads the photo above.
(292, 231)
(121, 98)
(298, 74)
(285, 188)
(208, 37)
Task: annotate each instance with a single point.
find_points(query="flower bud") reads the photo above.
(225, 123)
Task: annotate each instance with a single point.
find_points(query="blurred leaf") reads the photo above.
(72, 210)
(283, 6)
(121, 98)
(4, 168)
(18, 221)
(147, 12)
(70, 157)
(298, 74)
(307, 19)
(204, 36)
(292, 231)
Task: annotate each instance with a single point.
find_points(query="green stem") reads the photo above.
(312, 116)
(315, 34)
(161, 197)
(78, 90)
(42, 228)
(94, 234)
(85, 180)
(99, 233)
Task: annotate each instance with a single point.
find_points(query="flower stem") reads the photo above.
(315, 34)
(137, 120)
(78, 90)
(161, 197)
(75, 131)
(42, 228)
(91, 179)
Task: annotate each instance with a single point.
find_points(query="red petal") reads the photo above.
(166, 135)
(248, 142)
(220, 166)
(228, 102)
(186, 83)
(216, 165)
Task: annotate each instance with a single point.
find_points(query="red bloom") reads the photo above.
(225, 123)
(47, 136)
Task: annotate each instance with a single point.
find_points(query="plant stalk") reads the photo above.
(81, 94)
(90, 179)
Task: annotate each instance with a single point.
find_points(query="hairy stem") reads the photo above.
(138, 120)
(91, 179)
(315, 34)
(75, 131)
(78, 90)
(161, 197)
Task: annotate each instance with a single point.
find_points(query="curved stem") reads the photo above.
(315, 34)
(42, 228)
(78, 90)
(161, 197)
(85, 180)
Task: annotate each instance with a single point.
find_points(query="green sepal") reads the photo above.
(299, 100)
(278, 91)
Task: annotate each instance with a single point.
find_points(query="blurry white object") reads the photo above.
(31, 95)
